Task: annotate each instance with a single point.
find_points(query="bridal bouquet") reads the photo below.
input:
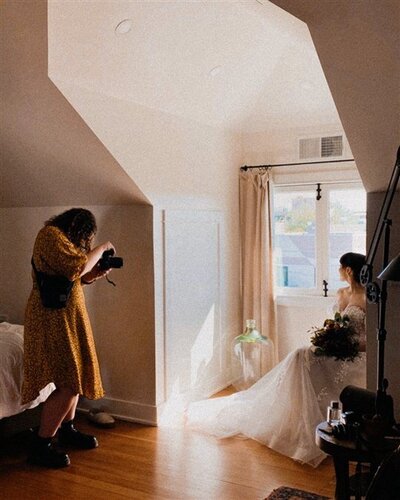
(336, 338)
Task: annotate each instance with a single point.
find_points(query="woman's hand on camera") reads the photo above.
(108, 246)
(93, 258)
(94, 274)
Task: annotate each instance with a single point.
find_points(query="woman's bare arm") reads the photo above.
(95, 255)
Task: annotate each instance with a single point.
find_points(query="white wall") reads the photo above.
(295, 317)
(195, 336)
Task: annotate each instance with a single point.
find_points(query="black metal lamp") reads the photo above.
(378, 295)
(355, 398)
(392, 270)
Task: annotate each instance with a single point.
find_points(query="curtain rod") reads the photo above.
(245, 167)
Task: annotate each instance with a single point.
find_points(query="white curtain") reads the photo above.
(256, 252)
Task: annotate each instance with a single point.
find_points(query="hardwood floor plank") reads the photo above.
(146, 463)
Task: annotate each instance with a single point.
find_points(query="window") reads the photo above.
(310, 235)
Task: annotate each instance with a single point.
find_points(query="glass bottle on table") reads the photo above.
(333, 413)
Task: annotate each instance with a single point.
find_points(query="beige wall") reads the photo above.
(282, 145)
(122, 317)
(48, 155)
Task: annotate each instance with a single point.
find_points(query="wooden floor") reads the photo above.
(140, 462)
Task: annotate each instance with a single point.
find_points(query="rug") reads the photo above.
(286, 493)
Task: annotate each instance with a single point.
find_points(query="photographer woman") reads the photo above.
(58, 343)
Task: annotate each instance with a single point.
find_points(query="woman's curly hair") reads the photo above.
(78, 225)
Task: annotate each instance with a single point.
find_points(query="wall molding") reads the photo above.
(173, 221)
(131, 411)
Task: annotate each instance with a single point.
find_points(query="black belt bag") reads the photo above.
(54, 290)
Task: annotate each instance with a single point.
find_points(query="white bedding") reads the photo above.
(11, 372)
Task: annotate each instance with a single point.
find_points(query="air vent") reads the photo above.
(331, 146)
(321, 147)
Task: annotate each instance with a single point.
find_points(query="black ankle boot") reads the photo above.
(42, 453)
(69, 436)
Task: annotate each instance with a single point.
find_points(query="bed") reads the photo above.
(15, 417)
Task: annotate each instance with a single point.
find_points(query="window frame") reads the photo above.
(322, 216)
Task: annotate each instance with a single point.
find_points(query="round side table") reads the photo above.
(343, 451)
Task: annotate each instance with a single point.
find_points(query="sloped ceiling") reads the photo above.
(358, 43)
(49, 157)
(235, 64)
(268, 76)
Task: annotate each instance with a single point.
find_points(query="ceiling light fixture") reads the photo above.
(123, 27)
(215, 71)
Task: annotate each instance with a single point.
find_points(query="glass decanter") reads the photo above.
(252, 356)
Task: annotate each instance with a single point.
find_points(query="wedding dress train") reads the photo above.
(283, 408)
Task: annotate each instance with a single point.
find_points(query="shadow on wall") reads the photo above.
(123, 316)
(49, 156)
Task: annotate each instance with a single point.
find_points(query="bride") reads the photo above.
(283, 408)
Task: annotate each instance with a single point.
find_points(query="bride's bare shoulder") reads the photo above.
(343, 293)
(342, 297)
(347, 297)
(359, 299)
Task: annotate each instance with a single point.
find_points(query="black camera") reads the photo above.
(348, 427)
(107, 260)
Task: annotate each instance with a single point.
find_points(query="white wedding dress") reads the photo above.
(283, 408)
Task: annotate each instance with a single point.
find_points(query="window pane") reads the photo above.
(347, 228)
(294, 238)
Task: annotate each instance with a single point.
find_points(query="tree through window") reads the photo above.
(309, 236)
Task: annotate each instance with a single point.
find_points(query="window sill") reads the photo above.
(304, 301)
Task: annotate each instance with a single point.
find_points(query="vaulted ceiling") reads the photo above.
(241, 65)
(246, 65)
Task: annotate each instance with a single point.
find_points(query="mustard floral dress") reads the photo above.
(58, 343)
